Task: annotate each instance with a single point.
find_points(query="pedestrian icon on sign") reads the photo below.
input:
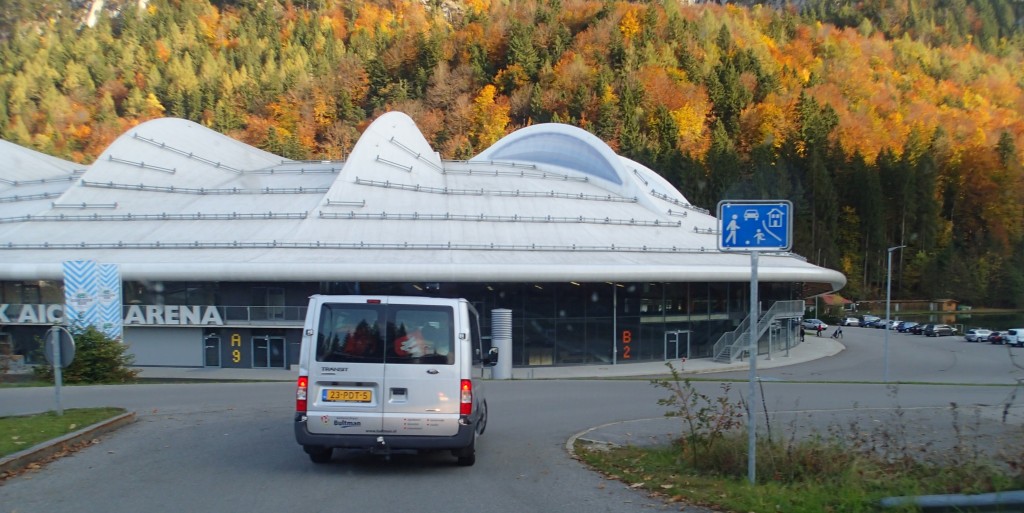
(731, 228)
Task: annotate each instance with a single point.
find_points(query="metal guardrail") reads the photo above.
(738, 339)
(1005, 502)
(730, 338)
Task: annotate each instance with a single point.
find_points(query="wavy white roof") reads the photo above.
(30, 181)
(173, 200)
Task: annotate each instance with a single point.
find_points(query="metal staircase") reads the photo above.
(733, 344)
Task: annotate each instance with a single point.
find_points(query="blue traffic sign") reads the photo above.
(755, 225)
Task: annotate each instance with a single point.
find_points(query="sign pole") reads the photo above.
(754, 226)
(58, 376)
(59, 349)
(751, 395)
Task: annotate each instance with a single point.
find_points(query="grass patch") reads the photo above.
(22, 432)
(808, 477)
(24, 383)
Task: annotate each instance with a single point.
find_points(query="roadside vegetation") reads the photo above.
(22, 432)
(848, 469)
(98, 359)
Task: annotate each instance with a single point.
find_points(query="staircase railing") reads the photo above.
(735, 342)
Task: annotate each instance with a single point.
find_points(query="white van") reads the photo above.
(1014, 337)
(391, 374)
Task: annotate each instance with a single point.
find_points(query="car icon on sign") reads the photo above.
(750, 214)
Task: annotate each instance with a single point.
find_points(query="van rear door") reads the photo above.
(421, 389)
(346, 372)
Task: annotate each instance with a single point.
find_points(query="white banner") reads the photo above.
(81, 290)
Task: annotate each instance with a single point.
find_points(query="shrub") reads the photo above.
(98, 359)
(706, 420)
(5, 360)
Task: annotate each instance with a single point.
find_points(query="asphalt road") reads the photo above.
(230, 448)
(912, 359)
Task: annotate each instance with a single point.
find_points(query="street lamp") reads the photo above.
(888, 293)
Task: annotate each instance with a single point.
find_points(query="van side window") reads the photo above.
(474, 337)
(421, 334)
(349, 333)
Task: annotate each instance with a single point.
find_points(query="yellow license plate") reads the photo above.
(348, 396)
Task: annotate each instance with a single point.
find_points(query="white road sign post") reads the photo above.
(754, 226)
(59, 349)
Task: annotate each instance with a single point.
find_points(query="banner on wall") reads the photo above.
(110, 300)
(92, 296)
(81, 306)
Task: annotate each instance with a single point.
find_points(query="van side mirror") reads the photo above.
(491, 359)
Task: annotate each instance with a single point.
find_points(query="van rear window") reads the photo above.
(411, 334)
(421, 334)
(350, 333)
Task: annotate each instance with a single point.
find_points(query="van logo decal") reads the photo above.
(347, 423)
(335, 369)
(325, 419)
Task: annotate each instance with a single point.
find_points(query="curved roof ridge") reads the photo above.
(177, 151)
(21, 163)
(398, 130)
(561, 145)
(392, 142)
(657, 183)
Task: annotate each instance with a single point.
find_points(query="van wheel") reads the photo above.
(481, 424)
(319, 454)
(467, 455)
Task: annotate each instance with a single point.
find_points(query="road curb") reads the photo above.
(19, 460)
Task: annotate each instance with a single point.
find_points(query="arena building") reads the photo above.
(220, 244)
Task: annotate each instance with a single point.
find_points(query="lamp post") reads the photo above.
(888, 294)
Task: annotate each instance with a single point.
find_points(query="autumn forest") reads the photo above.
(885, 122)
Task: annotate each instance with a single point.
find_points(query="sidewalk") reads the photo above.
(812, 348)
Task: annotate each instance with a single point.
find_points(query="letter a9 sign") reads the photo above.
(755, 225)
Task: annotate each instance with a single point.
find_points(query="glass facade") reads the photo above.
(563, 323)
(600, 323)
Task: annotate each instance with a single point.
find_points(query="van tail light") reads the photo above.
(300, 394)
(466, 397)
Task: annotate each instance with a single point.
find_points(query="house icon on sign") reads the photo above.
(775, 218)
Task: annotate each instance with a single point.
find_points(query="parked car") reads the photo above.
(869, 319)
(905, 326)
(851, 321)
(939, 330)
(995, 338)
(1014, 337)
(977, 334)
(813, 324)
(920, 328)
